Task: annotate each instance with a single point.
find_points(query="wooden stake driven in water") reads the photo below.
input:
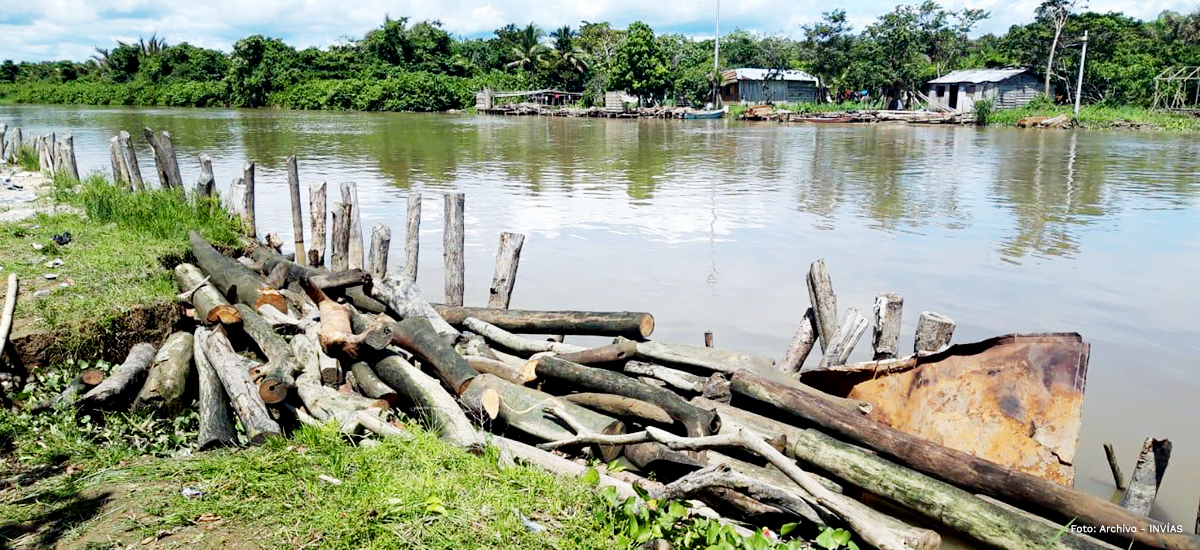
(381, 242)
(248, 208)
(316, 210)
(297, 215)
(68, 157)
(207, 184)
(824, 302)
(164, 158)
(801, 344)
(339, 240)
(508, 257)
(888, 308)
(129, 158)
(453, 241)
(1147, 476)
(412, 237)
(1115, 466)
(934, 331)
(354, 251)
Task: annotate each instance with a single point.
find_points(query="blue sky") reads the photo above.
(68, 29)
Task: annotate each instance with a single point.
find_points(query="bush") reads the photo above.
(984, 109)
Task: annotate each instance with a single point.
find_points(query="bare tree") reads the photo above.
(1056, 12)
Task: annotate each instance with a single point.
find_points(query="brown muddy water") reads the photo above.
(711, 225)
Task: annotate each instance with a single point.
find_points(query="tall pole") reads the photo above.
(1079, 83)
(716, 60)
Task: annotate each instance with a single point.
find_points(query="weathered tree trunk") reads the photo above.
(68, 157)
(278, 375)
(129, 158)
(1115, 466)
(888, 309)
(412, 236)
(235, 281)
(210, 306)
(453, 240)
(336, 335)
(838, 349)
(404, 299)
(297, 214)
(233, 370)
(514, 374)
(216, 428)
(724, 476)
(622, 407)
(653, 457)
(117, 163)
(417, 335)
(934, 331)
(508, 257)
(824, 302)
(316, 207)
(381, 241)
(604, 354)
(516, 343)
(249, 216)
(339, 243)
(962, 469)
(235, 201)
(354, 249)
(123, 380)
(3, 143)
(1147, 476)
(801, 344)
(86, 380)
(371, 385)
(759, 387)
(708, 358)
(522, 408)
(10, 306)
(429, 401)
(164, 158)
(17, 143)
(207, 184)
(166, 384)
(631, 324)
(695, 420)
(677, 379)
(322, 279)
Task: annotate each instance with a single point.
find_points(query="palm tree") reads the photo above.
(566, 49)
(101, 57)
(148, 48)
(528, 50)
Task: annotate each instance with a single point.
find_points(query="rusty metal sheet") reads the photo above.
(1015, 400)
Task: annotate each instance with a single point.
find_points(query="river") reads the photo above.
(711, 225)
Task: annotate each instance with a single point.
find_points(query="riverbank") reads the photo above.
(1102, 117)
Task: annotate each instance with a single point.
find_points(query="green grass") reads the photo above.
(1101, 117)
(115, 260)
(27, 158)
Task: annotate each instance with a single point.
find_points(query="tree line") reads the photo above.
(402, 65)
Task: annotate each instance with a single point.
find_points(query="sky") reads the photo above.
(69, 29)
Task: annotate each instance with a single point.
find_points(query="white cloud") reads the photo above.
(58, 29)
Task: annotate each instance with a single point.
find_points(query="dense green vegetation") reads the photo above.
(421, 67)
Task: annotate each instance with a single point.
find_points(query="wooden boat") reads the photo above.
(824, 120)
(705, 115)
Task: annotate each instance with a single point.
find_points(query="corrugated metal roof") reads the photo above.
(761, 74)
(975, 76)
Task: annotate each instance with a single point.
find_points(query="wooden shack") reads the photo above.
(959, 90)
(756, 86)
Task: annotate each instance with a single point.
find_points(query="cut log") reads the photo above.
(429, 401)
(453, 240)
(233, 370)
(129, 158)
(824, 302)
(622, 407)
(323, 402)
(521, 408)
(236, 282)
(962, 469)
(1115, 466)
(10, 305)
(68, 158)
(164, 158)
(889, 306)
(412, 236)
(339, 242)
(85, 381)
(166, 384)
(516, 343)
(655, 458)
(297, 215)
(713, 359)
(216, 428)
(603, 354)
(708, 339)
(235, 201)
(801, 344)
(123, 381)
(718, 388)
(381, 241)
(371, 385)
(838, 349)
(635, 325)
(695, 420)
(278, 376)
(316, 210)
(759, 387)
(934, 331)
(677, 379)
(210, 306)
(206, 186)
(1147, 476)
(724, 476)
(351, 217)
(322, 279)
(337, 337)
(514, 374)
(404, 299)
(248, 208)
(417, 335)
(115, 162)
(508, 257)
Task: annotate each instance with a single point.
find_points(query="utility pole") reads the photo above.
(1079, 83)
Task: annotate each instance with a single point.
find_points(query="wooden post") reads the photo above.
(48, 144)
(129, 157)
(17, 142)
(1147, 476)
(801, 345)
(118, 165)
(316, 207)
(508, 257)
(164, 158)
(381, 242)
(934, 331)
(340, 238)
(708, 339)
(1115, 466)
(886, 341)
(453, 241)
(844, 340)
(207, 184)
(68, 157)
(354, 252)
(235, 202)
(824, 302)
(297, 215)
(3, 143)
(248, 210)
(412, 239)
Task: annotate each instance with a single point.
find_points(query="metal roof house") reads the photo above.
(961, 89)
(754, 86)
